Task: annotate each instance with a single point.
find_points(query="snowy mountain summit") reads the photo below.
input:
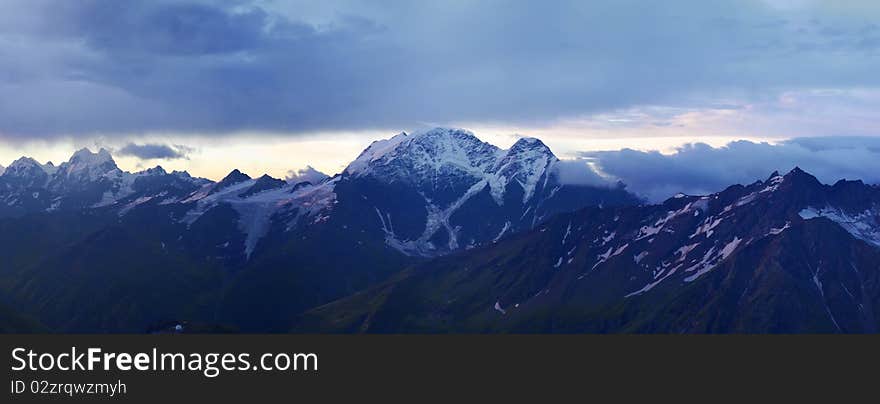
(424, 155)
(86, 166)
(465, 191)
(27, 172)
(451, 160)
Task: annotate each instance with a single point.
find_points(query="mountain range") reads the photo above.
(88, 247)
(783, 255)
(435, 231)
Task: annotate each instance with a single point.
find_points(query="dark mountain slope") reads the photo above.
(783, 255)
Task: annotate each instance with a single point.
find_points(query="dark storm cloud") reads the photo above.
(153, 151)
(171, 29)
(700, 169)
(105, 67)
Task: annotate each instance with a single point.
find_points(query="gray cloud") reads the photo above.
(701, 169)
(105, 67)
(154, 151)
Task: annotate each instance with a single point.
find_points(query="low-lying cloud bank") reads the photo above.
(580, 172)
(307, 174)
(700, 169)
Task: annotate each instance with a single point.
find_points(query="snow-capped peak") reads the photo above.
(234, 177)
(184, 175)
(22, 166)
(425, 154)
(529, 144)
(456, 156)
(27, 172)
(2, 169)
(526, 162)
(86, 156)
(374, 151)
(525, 151)
(85, 165)
(157, 170)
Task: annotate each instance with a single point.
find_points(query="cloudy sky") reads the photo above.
(272, 86)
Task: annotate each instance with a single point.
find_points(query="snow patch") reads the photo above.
(775, 231)
(608, 238)
(255, 211)
(710, 261)
(498, 308)
(503, 230)
(683, 251)
(863, 225)
(567, 232)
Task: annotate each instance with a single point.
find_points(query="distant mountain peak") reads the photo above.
(798, 172)
(87, 156)
(157, 170)
(264, 183)
(442, 140)
(439, 131)
(426, 158)
(800, 178)
(84, 165)
(529, 143)
(528, 148)
(526, 162)
(456, 156)
(22, 162)
(235, 176)
(27, 172)
(374, 151)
